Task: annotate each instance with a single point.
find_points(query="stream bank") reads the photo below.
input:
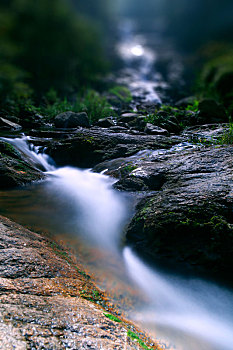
(183, 216)
(49, 302)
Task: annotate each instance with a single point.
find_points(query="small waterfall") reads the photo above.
(98, 211)
(39, 159)
(193, 314)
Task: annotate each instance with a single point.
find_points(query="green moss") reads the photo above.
(9, 150)
(92, 295)
(112, 317)
(129, 168)
(134, 336)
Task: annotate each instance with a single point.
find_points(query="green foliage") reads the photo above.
(129, 168)
(112, 317)
(122, 92)
(193, 107)
(134, 336)
(46, 44)
(95, 105)
(91, 102)
(216, 77)
(227, 137)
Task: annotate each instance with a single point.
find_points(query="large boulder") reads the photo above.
(189, 221)
(71, 120)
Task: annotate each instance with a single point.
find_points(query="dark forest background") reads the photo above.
(57, 48)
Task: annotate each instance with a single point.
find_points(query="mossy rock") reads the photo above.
(14, 170)
(200, 236)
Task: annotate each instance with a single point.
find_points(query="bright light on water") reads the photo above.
(137, 50)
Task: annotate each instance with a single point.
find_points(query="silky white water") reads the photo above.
(98, 210)
(191, 314)
(193, 307)
(39, 159)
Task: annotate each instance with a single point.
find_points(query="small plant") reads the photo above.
(112, 317)
(227, 137)
(134, 336)
(91, 295)
(122, 93)
(129, 168)
(193, 106)
(94, 104)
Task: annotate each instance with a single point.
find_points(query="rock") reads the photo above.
(127, 117)
(91, 146)
(71, 120)
(138, 123)
(141, 181)
(211, 112)
(131, 183)
(118, 128)
(207, 132)
(189, 221)
(13, 119)
(185, 102)
(14, 169)
(155, 130)
(105, 123)
(124, 125)
(47, 301)
(31, 119)
(129, 114)
(149, 107)
(6, 124)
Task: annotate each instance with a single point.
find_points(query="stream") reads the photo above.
(81, 207)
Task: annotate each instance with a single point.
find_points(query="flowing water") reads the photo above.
(81, 207)
(153, 70)
(139, 60)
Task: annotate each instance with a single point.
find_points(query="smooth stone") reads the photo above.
(6, 124)
(71, 120)
(155, 130)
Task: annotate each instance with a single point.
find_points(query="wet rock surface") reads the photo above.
(71, 120)
(6, 124)
(14, 169)
(189, 220)
(91, 146)
(46, 299)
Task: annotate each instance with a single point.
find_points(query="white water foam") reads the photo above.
(39, 159)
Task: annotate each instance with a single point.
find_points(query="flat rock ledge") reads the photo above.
(48, 302)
